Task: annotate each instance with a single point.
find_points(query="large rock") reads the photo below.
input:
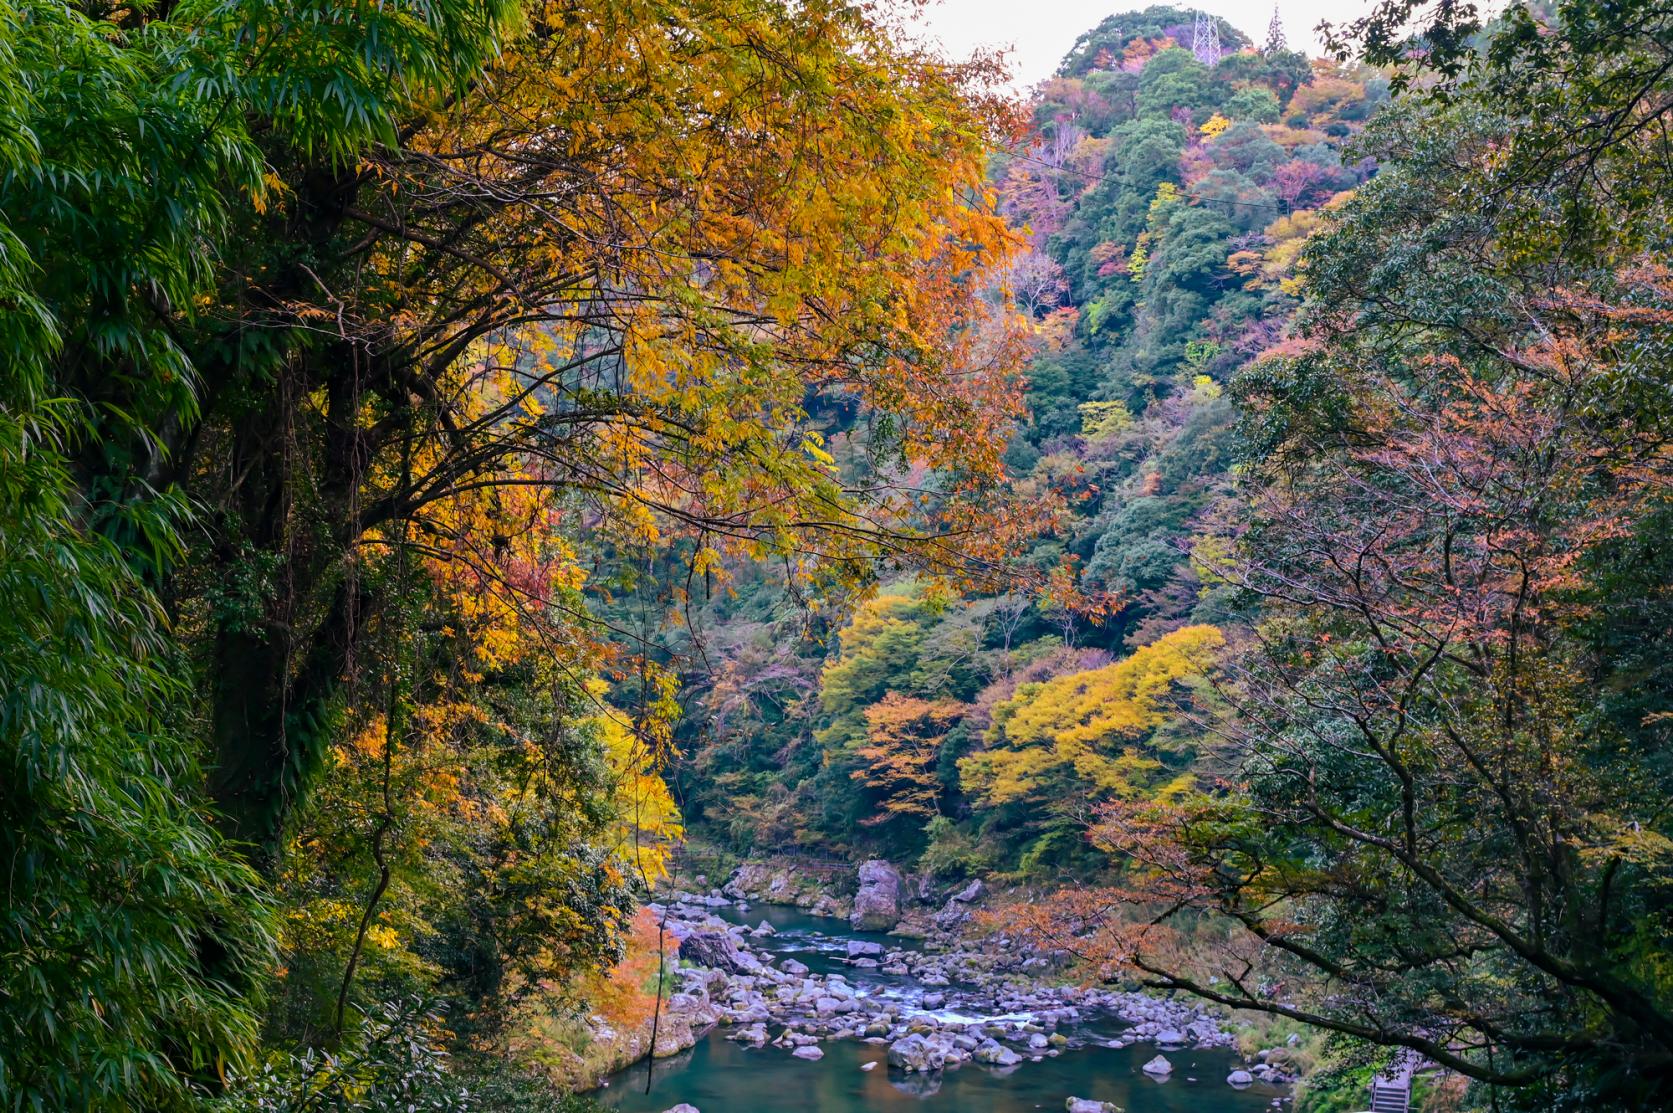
(808, 1051)
(877, 904)
(1158, 1068)
(995, 1054)
(674, 1034)
(683, 1107)
(1089, 1105)
(717, 950)
(915, 1053)
(1240, 1078)
(969, 893)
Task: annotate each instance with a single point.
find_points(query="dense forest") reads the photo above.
(465, 466)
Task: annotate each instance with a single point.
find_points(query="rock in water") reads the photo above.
(869, 1064)
(877, 904)
(1089, 1105)
(1240, 1078)
(673, 1036)
(811, 1051)
(718, 951)
(683, 1107)
(995, 1054)
(914, 1053)
(1158, 1067)
(791, 966)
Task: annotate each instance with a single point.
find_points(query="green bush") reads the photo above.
(952, 854)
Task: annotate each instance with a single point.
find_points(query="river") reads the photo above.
(719, 1076)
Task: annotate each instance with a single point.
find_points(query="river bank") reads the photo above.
(789, 984)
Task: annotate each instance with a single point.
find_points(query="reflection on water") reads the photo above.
(722, 1077)
(718, 1076)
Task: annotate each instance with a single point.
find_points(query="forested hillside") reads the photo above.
(490, 490)
(1164, 203)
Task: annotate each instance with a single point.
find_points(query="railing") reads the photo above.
(717, 866)
(1391, 1087)
(812, 863)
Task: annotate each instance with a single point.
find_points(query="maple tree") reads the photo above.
(346, 325)
(903, 747)
(548, 288)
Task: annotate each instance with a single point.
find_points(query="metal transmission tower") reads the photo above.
(1205, 39)
(1275, 40)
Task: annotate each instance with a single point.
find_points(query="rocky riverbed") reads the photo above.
(931, 1003)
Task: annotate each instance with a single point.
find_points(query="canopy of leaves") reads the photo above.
(1090, 733)
(345, 342)
(1441, 812)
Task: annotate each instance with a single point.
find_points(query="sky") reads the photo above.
(1040, 32)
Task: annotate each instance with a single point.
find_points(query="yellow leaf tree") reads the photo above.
(1090, 735)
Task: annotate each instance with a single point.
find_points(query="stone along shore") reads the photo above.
(956, 998)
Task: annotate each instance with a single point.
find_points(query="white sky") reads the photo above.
(1040, 32)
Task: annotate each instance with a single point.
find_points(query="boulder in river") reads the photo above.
(995, 1054)
(673, 1035)
(1158, 1067)
(1240, 1078)
(877, 904)
(1090, 1105)
(683, 1107)
(792, 967)
(809, 1051)
(717, 950)
(915, 1053)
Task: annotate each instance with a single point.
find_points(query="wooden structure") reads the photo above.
(1391, 1087)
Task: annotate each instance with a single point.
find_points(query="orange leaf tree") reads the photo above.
(596, 289)
(901, 752)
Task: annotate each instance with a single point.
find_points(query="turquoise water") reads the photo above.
(718, 1076)
(722, 1077)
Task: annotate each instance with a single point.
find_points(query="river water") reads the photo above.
(719, 1076)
